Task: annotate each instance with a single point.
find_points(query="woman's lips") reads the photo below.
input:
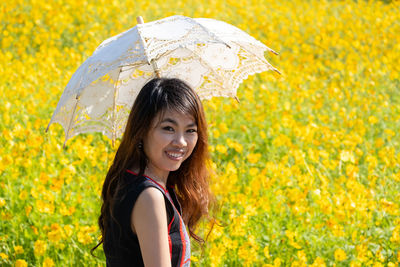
(175, 155)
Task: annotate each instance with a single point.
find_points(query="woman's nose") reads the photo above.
(180, 140)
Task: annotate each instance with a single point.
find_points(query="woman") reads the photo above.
(163, 149)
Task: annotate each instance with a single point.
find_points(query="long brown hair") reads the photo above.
(190, 180)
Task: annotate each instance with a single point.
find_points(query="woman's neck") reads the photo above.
(160, 177)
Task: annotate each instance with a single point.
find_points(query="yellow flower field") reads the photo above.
(307, 164)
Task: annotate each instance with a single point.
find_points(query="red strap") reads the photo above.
(162, 187)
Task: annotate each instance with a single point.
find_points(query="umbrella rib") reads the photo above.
(261, 59)
(152, 61)
(211, 68)
(114, 106)
(211, 33)
(143, 44)
(70, 121)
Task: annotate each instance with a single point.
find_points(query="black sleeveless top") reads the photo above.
(121, 245)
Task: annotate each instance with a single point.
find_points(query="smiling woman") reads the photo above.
(163, 150)
(169, 142)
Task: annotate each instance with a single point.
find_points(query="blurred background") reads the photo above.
(307, 165)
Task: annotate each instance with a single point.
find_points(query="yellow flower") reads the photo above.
(347, 156)
(355, 264)
(372, 119)
(43, 178)
(45, 206)
(286, 106)
(2, 202)
(216, 133)
(21, 263)
(340, 255)
(3, 256)
(84, 236)
(318, 262)
(28, 210)
(263, 135)
(23, 195)
(302, 256)
(277, 262)
(68, 230)
(18, 249)
(253, 157)
(395, 238)
(247, 252)
(235, 145)
(55, 234)
(48, 262)
(390, 133)
(282, 140)
(223, 127)
(221, 149)
(379, 142)
(216, 254)
(266, 252)
(40, 247)
(253, 171)
(34, 193)
(35, 230)
(66, 211)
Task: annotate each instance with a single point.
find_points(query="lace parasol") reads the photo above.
(212, 56)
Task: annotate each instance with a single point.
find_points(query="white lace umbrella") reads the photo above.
(210, 55)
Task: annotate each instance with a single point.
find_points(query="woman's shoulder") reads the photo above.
(128, 194)
(134, 185)
(135, 182)
(150, 197)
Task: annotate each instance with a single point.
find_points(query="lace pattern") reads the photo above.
(214, 57)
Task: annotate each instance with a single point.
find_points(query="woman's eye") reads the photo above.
(168, 128)
(192, 130)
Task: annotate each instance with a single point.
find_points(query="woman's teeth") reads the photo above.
(175, 155)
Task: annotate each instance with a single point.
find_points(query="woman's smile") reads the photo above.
(175, 155)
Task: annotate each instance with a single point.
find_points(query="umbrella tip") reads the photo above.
(139, 20)
(276, 53)
(277, 71)
(64, 145)
(48, 126)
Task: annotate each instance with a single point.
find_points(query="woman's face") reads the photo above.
(170, 140)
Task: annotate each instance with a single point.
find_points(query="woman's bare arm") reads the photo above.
(149, 222)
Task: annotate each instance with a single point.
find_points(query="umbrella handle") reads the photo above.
(139, 20)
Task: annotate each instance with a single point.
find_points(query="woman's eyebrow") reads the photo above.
(191, 125)
(175, 123)
(169, 120)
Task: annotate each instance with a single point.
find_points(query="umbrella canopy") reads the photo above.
(212, 56)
